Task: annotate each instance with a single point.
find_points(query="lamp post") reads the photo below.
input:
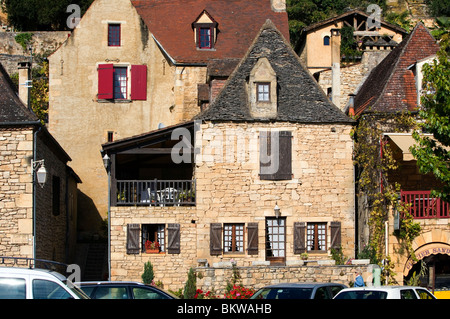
(276, 210)
(41, 172)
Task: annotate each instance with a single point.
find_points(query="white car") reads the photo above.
(33, 283)
(385, 292)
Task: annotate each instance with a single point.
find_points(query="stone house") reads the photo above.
(320, 50)
(261, 176)
(392, 88)
(37, 220)
(130, 67)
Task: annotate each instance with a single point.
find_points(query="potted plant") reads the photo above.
(304, 256)
(152, 247)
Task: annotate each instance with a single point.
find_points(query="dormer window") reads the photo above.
(205, 30)
(262, 90)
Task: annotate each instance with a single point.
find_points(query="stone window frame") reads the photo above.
(233, 235)
(263, 73)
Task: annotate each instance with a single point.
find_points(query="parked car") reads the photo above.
(122, 290)
(34, 283)
(385, 292)
(299, 291)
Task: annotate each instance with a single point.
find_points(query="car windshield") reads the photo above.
(362, 294)
(283, 293)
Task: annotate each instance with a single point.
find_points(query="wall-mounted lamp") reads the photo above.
(106, 161)
(276, 210)
(41, 172)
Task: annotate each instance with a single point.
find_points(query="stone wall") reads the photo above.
(216, 278)
(16, 193)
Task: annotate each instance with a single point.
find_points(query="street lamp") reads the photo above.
(41, 172)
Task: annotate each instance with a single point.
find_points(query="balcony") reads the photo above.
(155, 193)
(424, 206)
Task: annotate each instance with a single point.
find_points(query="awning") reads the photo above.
(403, 142)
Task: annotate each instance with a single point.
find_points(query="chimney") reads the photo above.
(278, 5)
(336, 67)
(25, 82)
(351, 105)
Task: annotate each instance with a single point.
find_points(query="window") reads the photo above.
(233, 238)
(108, 292)
(205, 40)
(110, 136)
(168, 237)
(45, 289)
(56, 195)
(113, 82)
(114, 35)
(407, 294)
(263, 94)
(120, 83)
(316, 236)
(275, 155)
(153, 232)
(326, 40)
(12, 288)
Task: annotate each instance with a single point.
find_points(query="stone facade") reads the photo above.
(16, 196)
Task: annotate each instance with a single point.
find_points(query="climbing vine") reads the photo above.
(377, 196)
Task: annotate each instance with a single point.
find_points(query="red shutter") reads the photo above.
(139, 82)
(105, 81)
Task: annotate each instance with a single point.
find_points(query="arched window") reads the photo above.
(326, 40)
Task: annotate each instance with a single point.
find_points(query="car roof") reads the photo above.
(32, 271)
(111, 283)
(381, 288)
(303, 285)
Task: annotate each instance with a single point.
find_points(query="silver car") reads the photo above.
(299, 291)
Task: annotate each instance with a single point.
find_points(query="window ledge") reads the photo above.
(114, 101)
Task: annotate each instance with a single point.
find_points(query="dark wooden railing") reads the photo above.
(155, 193)
(422, 205)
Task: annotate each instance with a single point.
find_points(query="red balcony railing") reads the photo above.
(425, 206)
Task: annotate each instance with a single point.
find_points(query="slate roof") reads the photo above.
(300, 99)
(238, 23)
(391, 87)
(12, 110)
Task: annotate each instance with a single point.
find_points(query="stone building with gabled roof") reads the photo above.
(37, 219)
(260, 177)
(130, 67)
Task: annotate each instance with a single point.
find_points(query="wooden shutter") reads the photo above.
(133, 231)
(139, 82)
(285, 144)
(105, 81)
(299, 238)
(173, 234)
(284, 171)
(215, 244)
(252, 234)
(335, 234)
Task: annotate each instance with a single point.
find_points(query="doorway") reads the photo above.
(276, 241)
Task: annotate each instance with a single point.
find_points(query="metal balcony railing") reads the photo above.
(155, 192)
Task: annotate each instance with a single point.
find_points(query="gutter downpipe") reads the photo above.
(34, 189)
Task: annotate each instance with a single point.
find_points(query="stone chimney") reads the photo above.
(336, 67)
(278, 5)
(24, 82)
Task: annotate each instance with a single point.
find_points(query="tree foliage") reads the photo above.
(40, 15)
(433, 153)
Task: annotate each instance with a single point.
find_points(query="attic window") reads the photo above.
(205, 31)
(262, 90)
(263, 94)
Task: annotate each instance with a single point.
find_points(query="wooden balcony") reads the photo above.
(424, 206)
(154, 193)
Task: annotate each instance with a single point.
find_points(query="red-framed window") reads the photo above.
(120, 83)
(205, 38)
(114, 35)
(113, 82)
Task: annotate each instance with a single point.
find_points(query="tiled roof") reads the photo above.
(299, 97)
(12, 110)
(238, 23)
(390, 87)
